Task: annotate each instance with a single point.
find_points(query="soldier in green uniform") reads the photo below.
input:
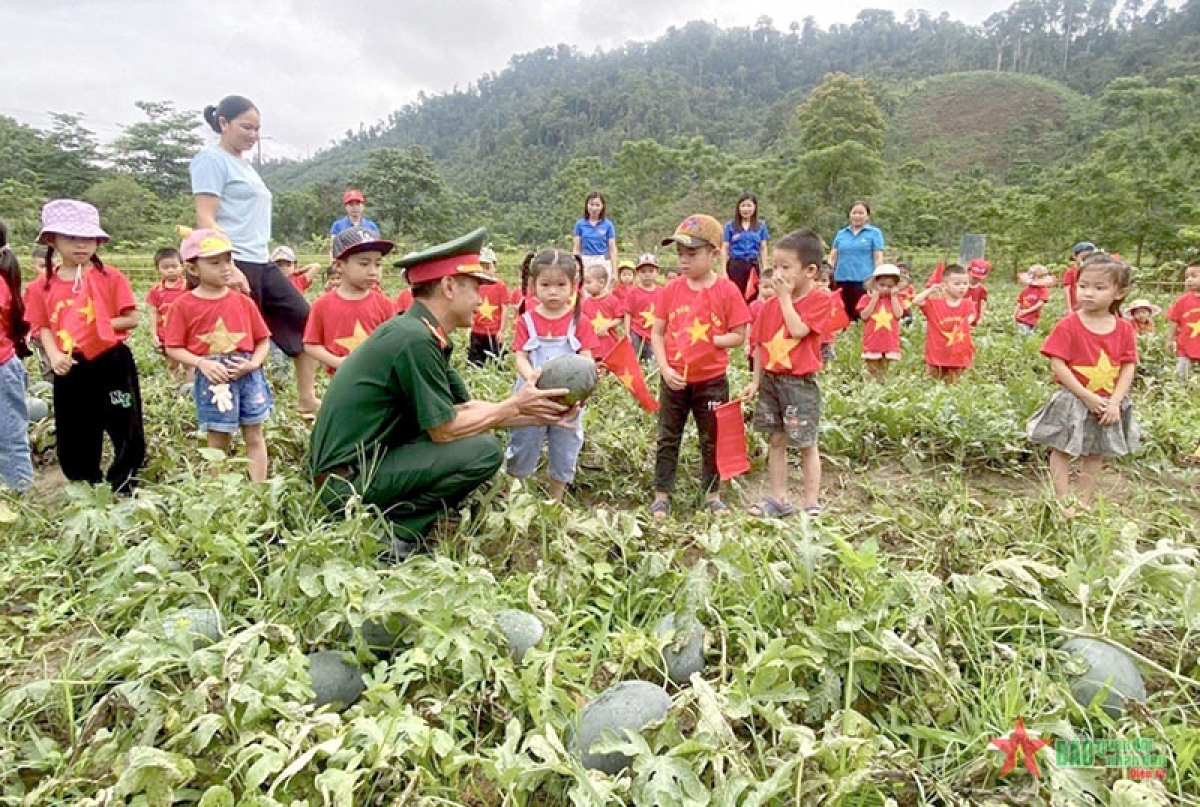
(397, 425)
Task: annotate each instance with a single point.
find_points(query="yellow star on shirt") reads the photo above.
(355, 339)
(600, 321)
(953, 337)
(779, 349)
(1194, 326)
(648, 317)
(89, 311)
(487, 310)
(220, 339)
(1101, 376)
(883, 319)
(68, 343)
(698, 330)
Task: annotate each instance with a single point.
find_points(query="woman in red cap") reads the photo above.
(231, 197)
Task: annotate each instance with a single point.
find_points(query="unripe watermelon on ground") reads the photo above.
(521, 629)
(37, 408)
(629, 705)
(685, 654)
(1108, 668)
(41, 389)
(203, 624)
(334, 680)
(572, 372)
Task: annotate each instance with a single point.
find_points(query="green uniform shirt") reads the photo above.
(390, 391)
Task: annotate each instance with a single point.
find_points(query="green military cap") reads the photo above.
(457, 257)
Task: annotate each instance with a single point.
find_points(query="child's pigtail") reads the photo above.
(525, 272)
(578, 283)
(49, 262)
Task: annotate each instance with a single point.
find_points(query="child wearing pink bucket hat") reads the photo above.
(81, 311)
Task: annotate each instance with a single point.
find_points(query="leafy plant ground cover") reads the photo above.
(867, 658)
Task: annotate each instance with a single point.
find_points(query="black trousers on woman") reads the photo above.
(100, 396)
(739, 271)
(701, 400)
(852, 292)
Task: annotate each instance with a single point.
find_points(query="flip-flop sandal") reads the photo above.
(769, 507)
(813, 510)
(659, 510)
(716, 506)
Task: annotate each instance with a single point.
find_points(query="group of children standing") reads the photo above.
(80, 311)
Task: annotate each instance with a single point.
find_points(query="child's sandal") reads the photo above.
(716, 506)
(769, 507)
(659, 510)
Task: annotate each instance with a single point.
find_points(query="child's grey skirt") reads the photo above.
(1066, 424)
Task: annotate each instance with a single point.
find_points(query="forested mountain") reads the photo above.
(1053, 118)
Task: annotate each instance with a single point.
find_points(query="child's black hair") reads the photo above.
(806, 244)
(1117, 270)
(737, 213)
(954, 269)
(565, 262)
(41, 251)
(229, 107)
(164, 253)
(96, 262)
(10, 273)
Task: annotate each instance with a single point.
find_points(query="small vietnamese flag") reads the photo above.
(752, 285)
(622, 362)
(936, 277)
(732, 458)
(85, 326)
(839, 320)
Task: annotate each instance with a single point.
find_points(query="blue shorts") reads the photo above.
(252, 402)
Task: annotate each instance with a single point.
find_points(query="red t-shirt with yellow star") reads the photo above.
(1094, 358)
(230, 324)
(1185, 313)
(693, 317)
(1032, 295)
(47, 300)
(554, 328)
(598, 311)
(775, 347)
(492, 299)
(160, 298)
(948, 335)
(340, 325)
(642, 305)
(881, 330)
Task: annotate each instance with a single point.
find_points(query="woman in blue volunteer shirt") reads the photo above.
(231, 196)
(857, 250)
(595, 237)
(745, 245)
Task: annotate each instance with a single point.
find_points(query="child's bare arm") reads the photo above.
(322, 354)
(733, 338)
(1171, 328)
(524, 368)
(126, 321)
(791, 318)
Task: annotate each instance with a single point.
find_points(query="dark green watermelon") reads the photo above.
(629, 705)
(522, 630)
(572, 372)
(685, 654)
(37, 408)
(334, 680)
(1108, 669)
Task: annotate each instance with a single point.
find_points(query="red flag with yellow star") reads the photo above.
(85, 326)
(622, 362)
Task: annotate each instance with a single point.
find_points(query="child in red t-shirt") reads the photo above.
(221, 333)
(1093, 353)
(1183, 334)
(839, 320)
(16, 466)
(1079, 253)
(626, 278)
(404, 300)
(488, 321)
(787, 341)
(82, 311)
(702, 316)
(169, 288)
(602, 309)
(1032, 299)
(641, 305)
(880, 310)
(766, 291)
(549, 327)
(906, 291)
(1141, 314)
(301, 277)
(948, 316)
(977, 272)
(342, 319)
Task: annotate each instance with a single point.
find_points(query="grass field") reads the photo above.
(867, 658)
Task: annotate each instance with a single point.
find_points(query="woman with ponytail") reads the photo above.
(16, 469)
(231, 197)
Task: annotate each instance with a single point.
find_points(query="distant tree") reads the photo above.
(156, 151)
(407, 194)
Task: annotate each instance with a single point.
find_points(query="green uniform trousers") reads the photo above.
(415, 483)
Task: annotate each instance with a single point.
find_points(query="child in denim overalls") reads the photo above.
(549, 327)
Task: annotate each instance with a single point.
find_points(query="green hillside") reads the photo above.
(985, 120)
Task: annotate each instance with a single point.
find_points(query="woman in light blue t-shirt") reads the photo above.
(231, 196)
(856, 250)
(595, 237)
